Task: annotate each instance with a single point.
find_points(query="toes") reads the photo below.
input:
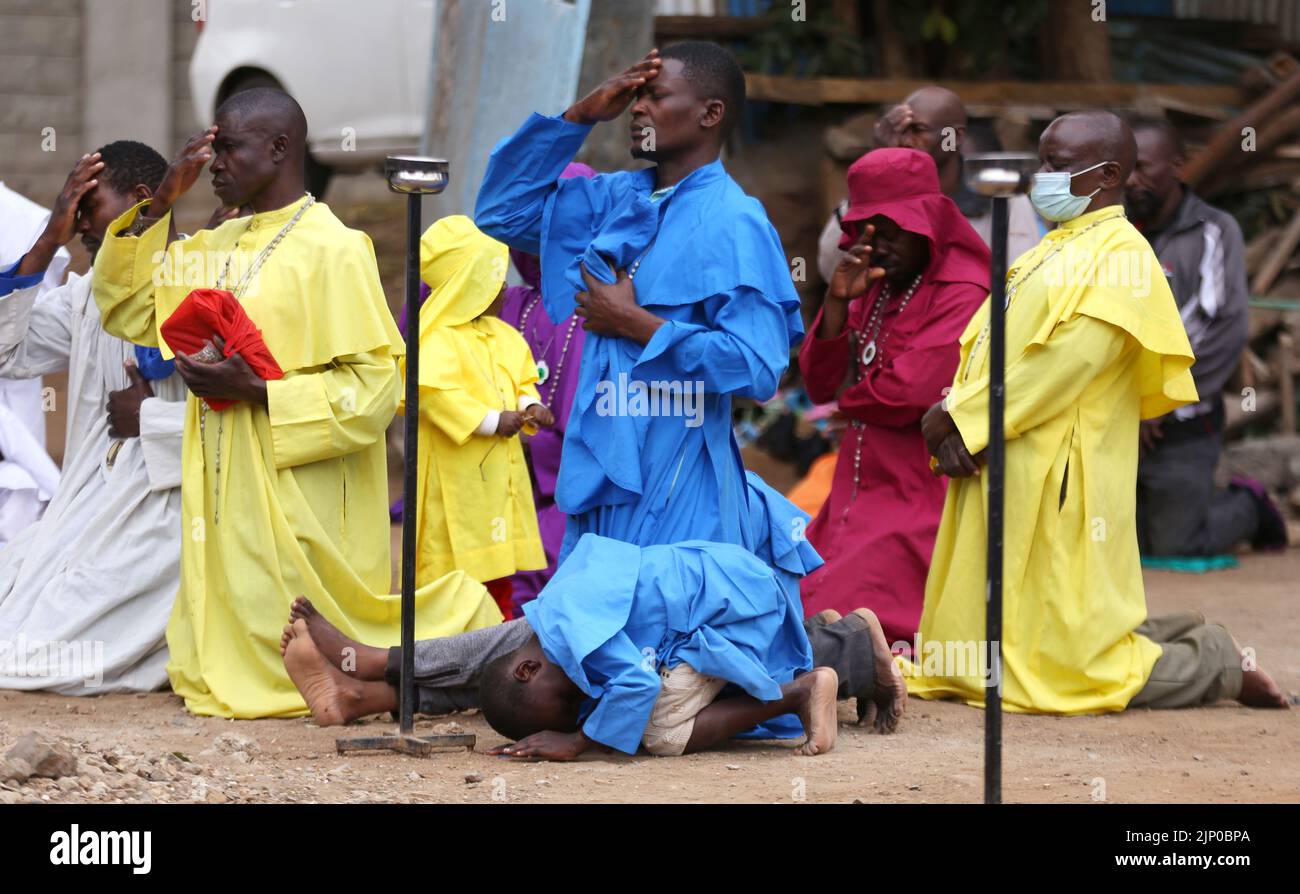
(870, 716)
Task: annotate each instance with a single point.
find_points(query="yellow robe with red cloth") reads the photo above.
(290, 499)
(1094, 344)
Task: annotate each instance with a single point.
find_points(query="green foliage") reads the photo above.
(983, 31)
(819, 47)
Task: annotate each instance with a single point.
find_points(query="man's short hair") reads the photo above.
(127, 164)
(715, 74)
(1163, 126)
(501, 698)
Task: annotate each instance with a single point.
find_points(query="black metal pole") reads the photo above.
(997, 475)
(406, 713)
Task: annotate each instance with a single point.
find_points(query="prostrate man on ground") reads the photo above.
(343, 679)
(284, 492)
(1094, 344)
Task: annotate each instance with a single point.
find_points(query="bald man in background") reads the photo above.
(1094, 344)
(933, 120)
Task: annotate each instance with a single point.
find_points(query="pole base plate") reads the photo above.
(419, 746)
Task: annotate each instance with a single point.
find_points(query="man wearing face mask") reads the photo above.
(1179, 512)
(1094, 344)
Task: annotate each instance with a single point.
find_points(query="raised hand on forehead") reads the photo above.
(615, 94)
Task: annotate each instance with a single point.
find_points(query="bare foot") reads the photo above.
(346, 654)
(1257, 688)
(889, 694)
(825, 616)
(330, 694)
(818, 711)
(1259, 691)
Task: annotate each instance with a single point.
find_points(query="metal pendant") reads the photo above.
(869, 353)
(543, 372)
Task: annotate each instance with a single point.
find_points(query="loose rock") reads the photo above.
(45, 758)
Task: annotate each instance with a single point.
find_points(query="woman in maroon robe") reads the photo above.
(885, 346)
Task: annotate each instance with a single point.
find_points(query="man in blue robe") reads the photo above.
(683, 287)
(645, 662)
(342, 679)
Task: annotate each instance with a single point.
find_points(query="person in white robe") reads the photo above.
(85, 593)
(28, 477)
(22, 222)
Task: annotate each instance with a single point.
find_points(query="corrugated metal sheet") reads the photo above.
(1283, 14)
(689, 7)
(475, 100)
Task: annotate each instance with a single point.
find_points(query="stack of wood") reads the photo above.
(1272, 360)
(1259, 150)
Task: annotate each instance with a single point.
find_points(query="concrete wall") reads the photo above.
(94, 72)
(40, 88)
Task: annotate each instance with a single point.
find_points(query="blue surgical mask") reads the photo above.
(1051, 196)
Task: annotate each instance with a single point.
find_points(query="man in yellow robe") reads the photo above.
(477, 394)
(283, 493)
(1094, 344)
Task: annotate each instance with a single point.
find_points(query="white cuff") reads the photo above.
(162, 425)
(526, 401)
(489, 424)
(16, 313)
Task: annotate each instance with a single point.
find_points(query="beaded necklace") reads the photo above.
(543, 368)
(1014, 287)
(238, 291)
(862, 362)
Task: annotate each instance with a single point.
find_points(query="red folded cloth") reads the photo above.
(208, 312)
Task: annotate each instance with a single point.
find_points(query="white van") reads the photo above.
(359, 68)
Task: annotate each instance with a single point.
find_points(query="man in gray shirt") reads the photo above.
(1179, 511)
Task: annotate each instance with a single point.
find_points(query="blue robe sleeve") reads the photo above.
(627, 696)
(10, 281)
(521, 173)
(744, 352)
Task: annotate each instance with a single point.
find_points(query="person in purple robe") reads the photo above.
(558, 349)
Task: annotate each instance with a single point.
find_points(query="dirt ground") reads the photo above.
(147, 748)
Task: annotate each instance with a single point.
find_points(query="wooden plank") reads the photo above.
(1051, 94)
(1286, 380)
(1277, 257)
(1236, 419)
(708, 27)
(1225, 147)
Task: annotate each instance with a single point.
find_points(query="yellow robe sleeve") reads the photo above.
(1042, 382)
(336, 411)
(455, 411)
(123, 283)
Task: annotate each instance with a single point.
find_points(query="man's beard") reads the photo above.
(1143, 205)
